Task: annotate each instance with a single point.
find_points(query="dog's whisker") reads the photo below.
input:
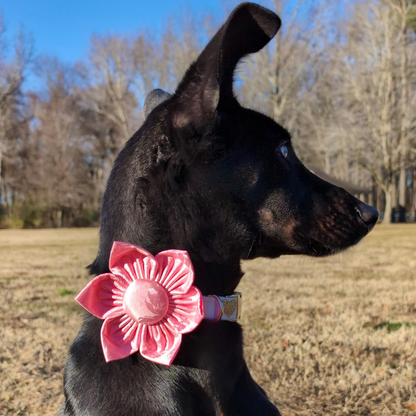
(252, 244)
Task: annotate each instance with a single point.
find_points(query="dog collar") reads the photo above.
(147, 302)
(224, 308)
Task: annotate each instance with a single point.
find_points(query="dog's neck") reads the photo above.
(216, 278)
(215, 273)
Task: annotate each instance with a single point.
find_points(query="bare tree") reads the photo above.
(119, 73)
(376, 90)
(11, 78)
(58, 169)
(288, 80)
(343, 84)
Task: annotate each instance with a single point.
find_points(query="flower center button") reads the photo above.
(146, 301)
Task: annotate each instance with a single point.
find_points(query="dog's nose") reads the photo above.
(368, 214)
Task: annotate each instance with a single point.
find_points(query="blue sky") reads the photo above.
(64, 27)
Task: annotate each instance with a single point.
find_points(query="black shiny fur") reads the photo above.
(206, 175)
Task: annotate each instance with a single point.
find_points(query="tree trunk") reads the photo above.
(371, 194)
(388, 209)
(3, 191)
(393, 196)
(401, 208)
(380, 198)
(327, 164)
(404, 78)
(98, 185)
(413, 207)
(7, 202)
(58, 218)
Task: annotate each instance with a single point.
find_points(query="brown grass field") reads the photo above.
(333, 336)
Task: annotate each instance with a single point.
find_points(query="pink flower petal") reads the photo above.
(120, 337)
(160, 344)
(132, 262)
(176, 271)
(103, 296)
(185, 312)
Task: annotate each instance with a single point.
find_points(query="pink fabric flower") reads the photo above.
(147, 303)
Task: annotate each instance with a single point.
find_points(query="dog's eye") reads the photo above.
(283, 150)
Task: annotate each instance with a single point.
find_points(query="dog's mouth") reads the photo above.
(315, 248)
(326, 241)
(345, 221)
(326, 236)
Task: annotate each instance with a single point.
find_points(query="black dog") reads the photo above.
(205, 175)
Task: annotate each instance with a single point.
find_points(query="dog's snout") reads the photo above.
(368, 214)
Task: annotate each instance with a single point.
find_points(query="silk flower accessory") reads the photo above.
(147, 303)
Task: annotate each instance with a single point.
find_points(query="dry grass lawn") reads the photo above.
(333, 336)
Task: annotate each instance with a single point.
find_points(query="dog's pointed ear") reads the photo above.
(210, 79)
(154, 98)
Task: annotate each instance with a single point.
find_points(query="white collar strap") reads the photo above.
(224, 308)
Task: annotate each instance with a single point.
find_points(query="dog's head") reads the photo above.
(221, 181)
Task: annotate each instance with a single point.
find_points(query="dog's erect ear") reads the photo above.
(210, 79)
(154, 98)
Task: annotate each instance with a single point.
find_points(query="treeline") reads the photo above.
(341, 78)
